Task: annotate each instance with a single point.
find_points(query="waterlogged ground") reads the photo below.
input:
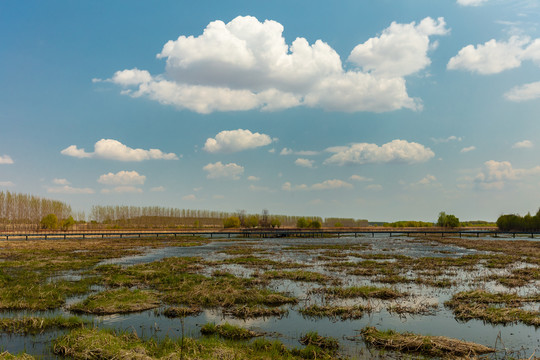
(485, 291)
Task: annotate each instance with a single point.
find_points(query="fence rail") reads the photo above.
(260, 233)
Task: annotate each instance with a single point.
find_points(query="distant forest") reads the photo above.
(26, 212)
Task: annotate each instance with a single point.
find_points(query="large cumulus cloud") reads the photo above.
(246, 64)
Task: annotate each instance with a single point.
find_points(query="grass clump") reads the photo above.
(181, 311)
(7, 356)
(35, 325)
(365, 292)
(298, 275)
(251, 312)
(228, 331)
(117, 301)
(439, 346)
(335, 312)
(486, 306)
(323, 342)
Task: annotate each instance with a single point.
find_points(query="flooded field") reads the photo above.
(298, 298)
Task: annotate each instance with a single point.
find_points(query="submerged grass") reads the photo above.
(439, 346)
(251, 312)
(181, 311)
(117, 301)
(35, 325)
(365, 292)
(297, 275)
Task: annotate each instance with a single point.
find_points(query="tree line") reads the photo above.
(516, 222)
(25, 212)
(29, 212)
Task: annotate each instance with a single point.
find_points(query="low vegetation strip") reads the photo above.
(92, 343)
(34, 325)
(228, 331)
(485, 297)
(365, 292)
(7, 356)
(117, 301)
(439, 346)
(335, 312)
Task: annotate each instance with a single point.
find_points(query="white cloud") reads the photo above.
(286, 151)
(218, 197)
(115, 150)
(471, 2)
(325, 185)
(131, 77)
(253, 178)
(66, 189)
(448, 139)
(189, 197)
(331, 184)
(255, 188)
(467, 149)
(394, 151)
(360, 178)
(374, 187)
(236, 140)
(246, 64)
(495, 56)
(304, 163)
(123, 189)
(157, 189)
(495, 174)
(400, 50)
(6, 183)
(271, 151)
(219, 170)
(6, 159)
(490, 58)
(525, 144)
(61, 182)
(122, 178)
(530, 91)
(428, 179)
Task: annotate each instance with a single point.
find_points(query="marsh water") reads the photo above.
(516, 340)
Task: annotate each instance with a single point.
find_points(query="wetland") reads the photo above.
(288, 298)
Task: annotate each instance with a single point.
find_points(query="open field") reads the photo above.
(297, 298)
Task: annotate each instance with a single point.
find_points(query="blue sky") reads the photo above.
(385, 110)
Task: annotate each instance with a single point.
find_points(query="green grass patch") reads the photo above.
(108, 345)
(228, 331)
(117, 301)
(35, 325)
